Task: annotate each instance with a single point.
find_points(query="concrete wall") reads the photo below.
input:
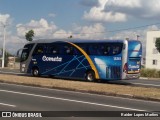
(152, 59)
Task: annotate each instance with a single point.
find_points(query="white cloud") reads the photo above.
(124, 3)
(13, 43)
(95, 31)
(122, 10)
(136, 8)
(5, 19)
(97, 13)
(42, 28)
(61, 34)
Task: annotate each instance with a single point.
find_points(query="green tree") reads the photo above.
(29, 35)
(70, 37)
(157, 44)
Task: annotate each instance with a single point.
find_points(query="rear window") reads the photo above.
(134, 46)
(134, 49)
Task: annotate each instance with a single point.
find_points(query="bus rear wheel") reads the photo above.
(90, 76)
(35, 72)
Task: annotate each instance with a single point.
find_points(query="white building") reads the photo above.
(152, 59)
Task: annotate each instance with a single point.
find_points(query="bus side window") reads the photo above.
(93, 49)
(107, 50)
(53, 49)
(66, 49)
(69, 50)
(117, 49)
(100, 50)
(39, 49)
(84, 47)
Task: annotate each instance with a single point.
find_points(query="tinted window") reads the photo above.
(65, 49)
(40, 49)
(95, 49)
(84, 46)
(26, 51)
(52, 49)
(117, 48)
(108, 49)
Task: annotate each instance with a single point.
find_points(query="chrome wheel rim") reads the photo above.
(90, 77)
(35, 72)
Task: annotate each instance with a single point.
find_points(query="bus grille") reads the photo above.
(113, 72)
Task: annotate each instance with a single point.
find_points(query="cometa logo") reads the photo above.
(136, 66)
(53, 59)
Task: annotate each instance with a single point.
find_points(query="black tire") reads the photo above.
(90, 76)
(51, 76)
(35, 72)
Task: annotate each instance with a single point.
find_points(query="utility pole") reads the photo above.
(4, 43)
(138, 37)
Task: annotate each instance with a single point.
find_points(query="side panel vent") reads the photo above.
(113, 72)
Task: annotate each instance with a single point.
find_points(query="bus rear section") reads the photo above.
(133, 64)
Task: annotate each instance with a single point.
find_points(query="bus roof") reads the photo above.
(76, 40)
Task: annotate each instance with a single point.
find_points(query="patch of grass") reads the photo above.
(100, 88)
(153, 73)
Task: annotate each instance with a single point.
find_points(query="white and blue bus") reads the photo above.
(86, 59)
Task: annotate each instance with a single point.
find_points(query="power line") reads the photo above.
(111, 31)
(137, 27)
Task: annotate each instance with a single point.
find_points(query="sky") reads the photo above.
(84, 19)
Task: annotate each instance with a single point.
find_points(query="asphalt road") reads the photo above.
(138, 82)
(25, 98)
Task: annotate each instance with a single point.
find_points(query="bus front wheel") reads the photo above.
(35, 72)
(90, 76)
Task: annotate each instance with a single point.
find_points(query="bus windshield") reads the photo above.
(134, 49)
(26, 51)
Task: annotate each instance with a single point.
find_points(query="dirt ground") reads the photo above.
(98, 88)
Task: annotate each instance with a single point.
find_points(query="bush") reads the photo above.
(150, 73)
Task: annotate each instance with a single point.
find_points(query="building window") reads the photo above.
(155, 51)
(154, 62)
